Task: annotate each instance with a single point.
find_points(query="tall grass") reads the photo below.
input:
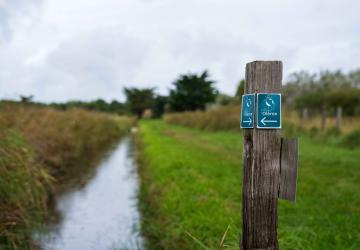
(23, 184)
(228, 118)
(39, 149)
(314, 122)
(223, 118)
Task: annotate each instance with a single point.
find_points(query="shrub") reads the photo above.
(334, 132)
(352, 139)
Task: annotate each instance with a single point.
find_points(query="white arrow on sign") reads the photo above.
(263, 121)
(249, 121)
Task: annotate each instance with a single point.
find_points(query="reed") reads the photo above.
(38, 151)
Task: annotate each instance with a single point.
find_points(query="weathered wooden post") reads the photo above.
(323, 118)
(268, 160)
(338, 117)
(304, 116)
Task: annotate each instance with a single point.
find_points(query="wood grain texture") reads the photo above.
(261, 165)
(288, 168)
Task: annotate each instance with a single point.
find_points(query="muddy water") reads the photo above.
(102, 214)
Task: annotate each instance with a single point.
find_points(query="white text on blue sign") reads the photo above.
(269, 110)
(247, 111)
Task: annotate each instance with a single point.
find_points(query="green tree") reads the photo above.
(305, 90)
(99, 105)
(192, 92)
(346, 98)
(26, 99)
(326, 92)
(240, 89)
(354, 78)
(223, 99)
(137, 100)
(160, 103)
(298, 83)
(116, 107)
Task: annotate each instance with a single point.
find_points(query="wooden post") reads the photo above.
(304, 116)
(261, 165)
(338, 117)
(323, 119)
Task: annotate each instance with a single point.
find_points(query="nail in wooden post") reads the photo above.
(261, 165)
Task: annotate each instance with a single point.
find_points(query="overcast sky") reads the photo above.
(58, 50)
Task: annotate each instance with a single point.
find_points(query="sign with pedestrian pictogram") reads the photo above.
(269, 110)
(247, 111)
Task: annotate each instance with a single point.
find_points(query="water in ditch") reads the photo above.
(103, 213)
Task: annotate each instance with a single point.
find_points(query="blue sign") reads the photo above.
(247, 111)
(269, 110)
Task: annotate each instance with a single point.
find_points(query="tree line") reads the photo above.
(190, 92)
(321, 93)
(324, 92)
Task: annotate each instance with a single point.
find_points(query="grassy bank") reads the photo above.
(40, 148)
(191, 192)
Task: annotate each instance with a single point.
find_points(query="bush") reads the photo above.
(314, 131)
(333, 132)
(352, 139)
(357, 111)
(291, 130)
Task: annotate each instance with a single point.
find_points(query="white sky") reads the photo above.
(85, 49)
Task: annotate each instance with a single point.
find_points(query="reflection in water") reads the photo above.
(102, 214)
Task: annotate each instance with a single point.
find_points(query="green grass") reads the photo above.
(191, 192)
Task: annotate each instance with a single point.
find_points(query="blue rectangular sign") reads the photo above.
(247, 111)
(269, 110)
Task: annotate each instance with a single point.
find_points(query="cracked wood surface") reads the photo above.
(261, 165)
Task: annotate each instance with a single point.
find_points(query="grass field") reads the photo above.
(191, 192)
